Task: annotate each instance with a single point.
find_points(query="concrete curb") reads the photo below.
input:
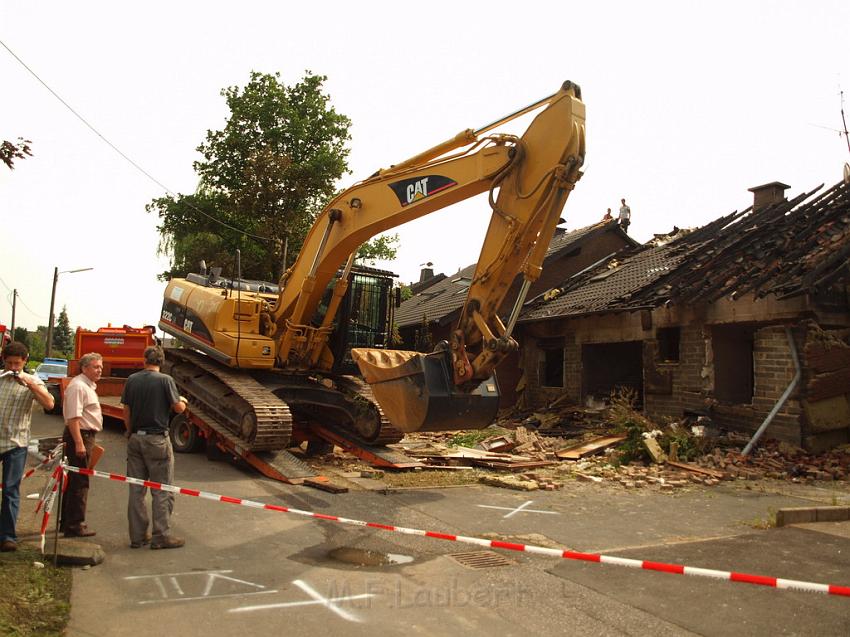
(800, 515)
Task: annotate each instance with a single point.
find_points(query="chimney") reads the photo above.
(558, 228)
(426, 272)
(768, 194)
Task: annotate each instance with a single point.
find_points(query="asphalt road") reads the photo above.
(253, 571)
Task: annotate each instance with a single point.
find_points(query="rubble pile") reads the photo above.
(638, 475)
(544, 449)
(781, 461)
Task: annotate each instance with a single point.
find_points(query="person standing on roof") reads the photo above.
(607, 216)
(18, 390)
(149, 398)
(625, 217)
(83, 419)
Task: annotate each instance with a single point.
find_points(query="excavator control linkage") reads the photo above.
(455, 386)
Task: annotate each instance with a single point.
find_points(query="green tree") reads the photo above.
(266, 175)
(38, 343)
(406, 292)
(63, 338)
(22, 336)
(9, 152)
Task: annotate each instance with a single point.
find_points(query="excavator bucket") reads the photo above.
(417, 393)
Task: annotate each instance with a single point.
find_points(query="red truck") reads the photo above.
(5, 336)
(122, 349)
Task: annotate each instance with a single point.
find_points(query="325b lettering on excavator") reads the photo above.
(412, 190)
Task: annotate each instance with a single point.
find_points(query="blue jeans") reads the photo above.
(14, 463)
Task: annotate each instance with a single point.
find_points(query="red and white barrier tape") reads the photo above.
(48, 497)
(761, 580)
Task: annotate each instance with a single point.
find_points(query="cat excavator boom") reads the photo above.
(276, 339)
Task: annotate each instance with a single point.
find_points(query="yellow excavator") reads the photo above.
(264, 360)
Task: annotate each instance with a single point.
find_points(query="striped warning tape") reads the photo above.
(678, 569)
(48, 498)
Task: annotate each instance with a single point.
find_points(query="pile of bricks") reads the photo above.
(638, 475)
(782, 462)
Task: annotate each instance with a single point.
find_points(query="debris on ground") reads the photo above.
(608, 443)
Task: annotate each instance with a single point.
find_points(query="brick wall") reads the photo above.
(537, 395)
(692, 380)
(687, 376)
(773, 370)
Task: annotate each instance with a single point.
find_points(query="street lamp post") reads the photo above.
(56, 273)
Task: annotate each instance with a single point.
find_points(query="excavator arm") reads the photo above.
(453, 387)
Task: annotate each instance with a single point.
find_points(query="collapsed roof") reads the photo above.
(785, 249)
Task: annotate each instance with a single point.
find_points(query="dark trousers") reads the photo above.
(77, 494)
(14, 462)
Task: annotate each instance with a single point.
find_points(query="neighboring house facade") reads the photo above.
(431, 313)
(711, 321)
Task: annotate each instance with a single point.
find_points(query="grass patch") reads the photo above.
(471, 437)
(768, 522)
(33, 601)
(432, 478)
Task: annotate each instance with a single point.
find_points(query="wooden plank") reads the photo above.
(829, 385)
(445, 467)
(512, 466)
(324, 485)
(827, 359)
(468, 452)
(589, 448)
(697, 469)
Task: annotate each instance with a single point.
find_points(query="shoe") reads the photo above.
(80, 531)
(8, 545)
(168, 543)
(144, 542)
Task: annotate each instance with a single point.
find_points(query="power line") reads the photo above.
(28, 308)
(118, 150)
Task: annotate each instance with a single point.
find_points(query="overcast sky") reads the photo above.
(689, 104)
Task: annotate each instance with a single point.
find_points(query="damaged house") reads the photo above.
(429, 315)
(745, 320)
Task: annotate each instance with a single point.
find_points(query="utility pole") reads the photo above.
(48, 350)
(14, 300)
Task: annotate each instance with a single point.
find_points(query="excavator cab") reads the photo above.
(417, 392)
(364, 318)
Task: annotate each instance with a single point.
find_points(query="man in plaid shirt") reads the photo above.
(18, 390)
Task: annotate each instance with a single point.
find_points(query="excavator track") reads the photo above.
(388, 434)
(260, 420)
(343, 403)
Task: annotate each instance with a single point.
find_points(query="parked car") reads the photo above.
(52, 368)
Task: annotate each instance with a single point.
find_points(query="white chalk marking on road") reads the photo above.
(176, 586)
(521, 508)
(212, 577)
(318, 600)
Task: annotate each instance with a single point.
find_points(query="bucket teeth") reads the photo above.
(378, 365)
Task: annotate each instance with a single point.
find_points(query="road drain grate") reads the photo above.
(480, 559)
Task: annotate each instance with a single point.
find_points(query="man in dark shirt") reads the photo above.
(149, 398)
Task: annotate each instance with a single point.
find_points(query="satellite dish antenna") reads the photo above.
(846, 173)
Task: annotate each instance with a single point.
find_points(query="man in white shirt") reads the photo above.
(625, 217)
(83, 419)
